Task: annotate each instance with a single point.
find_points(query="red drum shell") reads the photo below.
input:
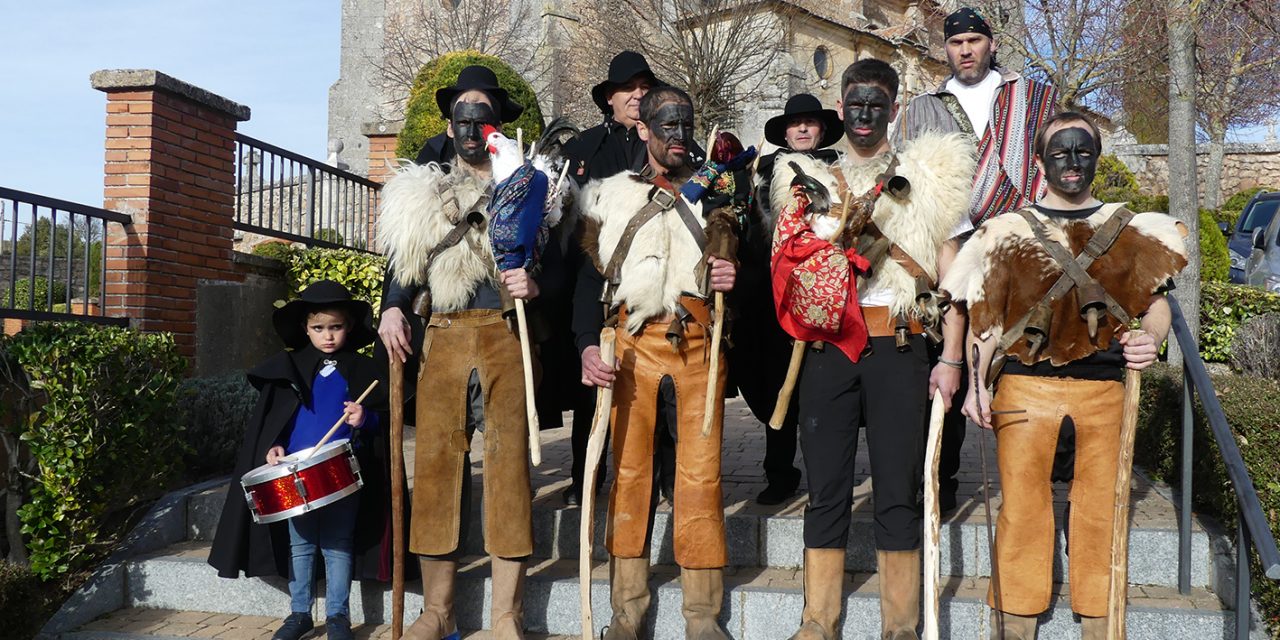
(297, 485)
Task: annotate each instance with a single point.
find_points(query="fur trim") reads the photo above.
(419, 206)
(660, 265)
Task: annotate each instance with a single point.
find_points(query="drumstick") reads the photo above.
(334, 428)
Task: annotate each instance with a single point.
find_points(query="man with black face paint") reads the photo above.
(471, 371)
(863, 298)
(1062, 368)
(643, 238)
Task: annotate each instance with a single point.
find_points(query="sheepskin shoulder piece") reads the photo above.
(660, 265)
(419, 206)
(1003, 271)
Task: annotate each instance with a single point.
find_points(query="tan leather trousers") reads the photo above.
(1025, 529)
(456, 344)
(646, 359)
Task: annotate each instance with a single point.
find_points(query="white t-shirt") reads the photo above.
(977, 99)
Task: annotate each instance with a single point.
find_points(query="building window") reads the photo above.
(822, 62)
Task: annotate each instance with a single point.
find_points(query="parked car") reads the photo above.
(1262, 268)
(1256, 215)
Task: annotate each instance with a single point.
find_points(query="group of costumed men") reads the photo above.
(873, 278)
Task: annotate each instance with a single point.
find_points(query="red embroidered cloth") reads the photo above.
(814, 283)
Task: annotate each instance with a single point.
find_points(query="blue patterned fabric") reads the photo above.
(515, 218)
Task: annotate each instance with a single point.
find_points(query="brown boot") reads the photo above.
(1093, 628)
(823, 594)
(1007, 626)
(703, 592)
(436, 621)
(899, 593)
(629, 595)
(506, 615)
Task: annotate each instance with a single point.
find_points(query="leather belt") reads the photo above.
(466, 318)
(699, 312)
(882, 324)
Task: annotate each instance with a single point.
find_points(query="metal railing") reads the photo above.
(1252, 530)
(286, 195)
(52, 258)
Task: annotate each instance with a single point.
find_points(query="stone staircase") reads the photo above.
(764, 594)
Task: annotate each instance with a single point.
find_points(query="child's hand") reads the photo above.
(354, 413)
(274, 454)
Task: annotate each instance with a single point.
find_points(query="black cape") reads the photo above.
(284, 382)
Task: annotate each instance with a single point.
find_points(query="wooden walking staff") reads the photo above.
(595, 451)
(798, 347)
(334, 428)
(526, 358)
(933, 519)
(1119, 589)
(717, 326)
(396, 376)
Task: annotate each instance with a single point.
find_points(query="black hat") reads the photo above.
(623, 68)
(965, 20)
(803, 104)
(479, 78)
(290, 318)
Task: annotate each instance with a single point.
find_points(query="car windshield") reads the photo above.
(1258, 215)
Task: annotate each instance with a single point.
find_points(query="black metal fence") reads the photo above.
(53, 258)
(285, 195)
(1252, 529)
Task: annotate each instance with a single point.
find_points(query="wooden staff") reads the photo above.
(933, 519)
(595, 450)
(798, 347)
(717, 331)
(334, 428)
(1119, 588)
(396, 376)
(526, 358)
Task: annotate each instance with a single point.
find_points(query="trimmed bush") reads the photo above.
(1114, 182)
(216, 410)
(422, 118)
(361, 273)
(22, 294)
(26, 602)
(1215, 261)
(282, 251)
(1252, 408)
(104, 436)
(1223, 307)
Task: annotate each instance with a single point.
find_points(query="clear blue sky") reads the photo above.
(279, 57)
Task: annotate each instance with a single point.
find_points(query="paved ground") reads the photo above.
(742, 480)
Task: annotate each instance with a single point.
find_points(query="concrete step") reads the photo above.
(762, 539)
(761, 603)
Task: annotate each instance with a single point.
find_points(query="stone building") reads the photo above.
(821, 38)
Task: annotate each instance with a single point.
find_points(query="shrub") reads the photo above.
(361, 273)
(329, 235)
(1223, 307)
(1252, 408)
(1114, 182)
(216, 410)
(422, 118)
(25, 601)
(105, 436)
(22, 294)
(1215, 262)
(282, 251)
(1255, 350)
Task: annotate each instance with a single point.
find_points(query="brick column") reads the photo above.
(170, 166)
(383, 137)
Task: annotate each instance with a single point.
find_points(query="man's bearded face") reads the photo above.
(467, 125)
(670, 134)
(866, 111)
(1071, 160)
(969, 55)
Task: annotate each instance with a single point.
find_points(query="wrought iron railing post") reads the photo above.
(1243, 542)
(311, 202)
(1184, 516)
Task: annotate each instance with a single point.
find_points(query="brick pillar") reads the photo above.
(383, 137)
(170, 166)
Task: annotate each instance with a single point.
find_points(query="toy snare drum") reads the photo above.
(299, 484)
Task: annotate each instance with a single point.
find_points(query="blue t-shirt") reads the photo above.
(310, 423)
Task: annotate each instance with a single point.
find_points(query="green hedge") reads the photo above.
(216, 408)
(1252, 408)
(422, 118)
(26, 601)
(361, 273)
(1215, 260)
(104, 434)
(1223, 307)
(1234, 205)
(22, 294)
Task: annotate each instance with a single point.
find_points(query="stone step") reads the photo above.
(775, 540)
(761, 603)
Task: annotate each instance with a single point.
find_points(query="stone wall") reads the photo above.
(1244, 166)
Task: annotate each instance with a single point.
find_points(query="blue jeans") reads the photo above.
(331, 530)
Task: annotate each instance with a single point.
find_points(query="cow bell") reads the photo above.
(1093, 305)
(1037, 329)
(898, 186)
(422, 303)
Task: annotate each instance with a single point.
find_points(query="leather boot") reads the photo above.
(703, 592)
(823, 594)
(629, 595)
(436, 621)
(1093, 628)
(1007, 626)
(506, 615)
(899, 594)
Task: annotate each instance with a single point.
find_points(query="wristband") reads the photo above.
(956, 364)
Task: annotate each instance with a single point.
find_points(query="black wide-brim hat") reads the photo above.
(290, 319)
(803, 104)
(622, 69)
(478, 78)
